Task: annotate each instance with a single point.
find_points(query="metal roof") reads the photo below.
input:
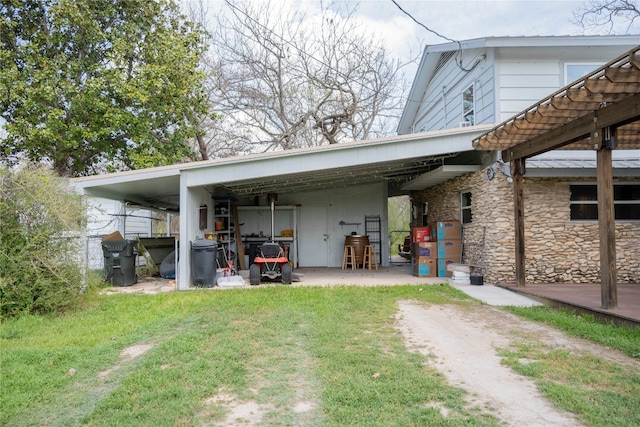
(609, 96)
(395, 160)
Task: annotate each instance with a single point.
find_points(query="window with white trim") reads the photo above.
(468, 106)
(584, 202)
(573, 72)
(466, 216)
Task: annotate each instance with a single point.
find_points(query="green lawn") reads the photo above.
(333, 351)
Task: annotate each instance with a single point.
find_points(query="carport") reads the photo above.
(389, 162)
(599, 112)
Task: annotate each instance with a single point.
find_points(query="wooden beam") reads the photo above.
(583, 95)
(238, 237)
(613, 115)
(606, 223)
(607, 86)
(565, 103)
(517, 172)
(622, 75)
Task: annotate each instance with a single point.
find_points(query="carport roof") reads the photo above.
(396, 160)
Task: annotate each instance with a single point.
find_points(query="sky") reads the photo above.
(454, 19)
(457, 20)
(462, 20)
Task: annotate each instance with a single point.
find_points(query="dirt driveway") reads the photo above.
(462, 343)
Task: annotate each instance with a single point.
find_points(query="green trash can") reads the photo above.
(120, 262)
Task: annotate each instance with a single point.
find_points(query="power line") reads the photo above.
(458, 58)
(298, 49)
(422, 25)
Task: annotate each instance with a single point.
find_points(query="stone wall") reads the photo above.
(556, 249)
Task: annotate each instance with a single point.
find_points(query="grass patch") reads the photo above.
(599, 392)
(332, 351)
(624, 339)
(307, 356)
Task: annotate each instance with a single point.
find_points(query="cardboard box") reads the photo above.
(425, 249)
(426, 261)
(442, 267)
(449, 230)
(427, 268)
(450, 249)
(113, 236)
(421, 234)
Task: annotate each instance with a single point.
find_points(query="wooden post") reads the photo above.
(603, 139)
(238, 237)
(517, 173)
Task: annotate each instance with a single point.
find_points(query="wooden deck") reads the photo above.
(587, 297)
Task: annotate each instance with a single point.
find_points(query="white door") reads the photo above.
(313, 246)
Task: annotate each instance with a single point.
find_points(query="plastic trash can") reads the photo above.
(203, 262)
(120, 262)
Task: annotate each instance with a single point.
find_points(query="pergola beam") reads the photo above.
(614, 115)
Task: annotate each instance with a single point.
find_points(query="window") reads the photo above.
(573, 72)
(465, 207)
(468, 107)
(584, 202)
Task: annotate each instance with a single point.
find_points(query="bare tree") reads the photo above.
(610, 16)
(280, 80)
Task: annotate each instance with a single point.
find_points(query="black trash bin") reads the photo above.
(120, 262)
(203, 262)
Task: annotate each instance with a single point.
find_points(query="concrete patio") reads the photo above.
(396, 274)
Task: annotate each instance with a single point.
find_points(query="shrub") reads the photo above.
(40, 244)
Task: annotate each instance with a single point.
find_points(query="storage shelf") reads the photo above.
(223, 213)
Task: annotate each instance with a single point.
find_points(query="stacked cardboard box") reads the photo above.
(449, 240)
(424, 253)
(433, 249)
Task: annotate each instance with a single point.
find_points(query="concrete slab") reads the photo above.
(496, 296)
(397, 274)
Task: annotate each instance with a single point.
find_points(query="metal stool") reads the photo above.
(349, 257)
(369, 257)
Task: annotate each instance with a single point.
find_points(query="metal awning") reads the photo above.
(395, 160)
(609, 96)
(438, 176)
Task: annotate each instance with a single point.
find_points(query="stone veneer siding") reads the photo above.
(556, 249)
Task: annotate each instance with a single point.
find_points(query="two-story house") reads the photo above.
(489, 80)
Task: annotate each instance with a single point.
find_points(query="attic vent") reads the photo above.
(446, 56)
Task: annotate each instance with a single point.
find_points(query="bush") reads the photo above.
(40, 244)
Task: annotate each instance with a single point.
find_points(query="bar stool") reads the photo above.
(369, 257)
(349, 257)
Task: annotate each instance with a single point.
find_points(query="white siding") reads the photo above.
(441, 105)
(349, 205)
(106, 216)
(137, 223)
(523, 83)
